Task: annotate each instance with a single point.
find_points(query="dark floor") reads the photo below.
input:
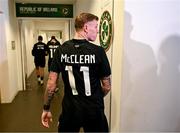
(24, 113)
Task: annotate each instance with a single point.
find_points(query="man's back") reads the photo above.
(39, 50)
(85, 68)
(52, 48)
(82, 64)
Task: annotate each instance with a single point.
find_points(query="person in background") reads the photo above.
(86, 75)
(39, 52)
(52, 45)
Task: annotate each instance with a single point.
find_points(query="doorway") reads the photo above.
(47, 34)
(29, 31)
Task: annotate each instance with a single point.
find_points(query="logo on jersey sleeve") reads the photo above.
(105, 30)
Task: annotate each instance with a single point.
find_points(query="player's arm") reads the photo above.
(46, 49)
(51, 86)
(106, 84)
(48, 96)
(33, 51)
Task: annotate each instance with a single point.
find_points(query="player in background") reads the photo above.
(39, 52)
(52, 45)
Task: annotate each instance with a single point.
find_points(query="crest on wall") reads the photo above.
(105, 30)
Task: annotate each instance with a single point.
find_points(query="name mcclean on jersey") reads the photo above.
(75, 59)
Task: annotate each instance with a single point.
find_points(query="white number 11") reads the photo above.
(72, 83)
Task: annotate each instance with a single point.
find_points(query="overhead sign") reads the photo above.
(105, 30)
(44, 10)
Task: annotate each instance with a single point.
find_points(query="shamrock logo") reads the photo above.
(105, 30)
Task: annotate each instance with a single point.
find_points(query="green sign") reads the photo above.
(44, 10)
(105, 30)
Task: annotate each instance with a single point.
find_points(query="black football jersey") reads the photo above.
(82, 65)
(52, 48)
(39, 50)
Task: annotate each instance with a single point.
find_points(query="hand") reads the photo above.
(45, 118)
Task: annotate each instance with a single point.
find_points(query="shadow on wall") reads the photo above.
(139, 97)
(169, 84)
(150, 101)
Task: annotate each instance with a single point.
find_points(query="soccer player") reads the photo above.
(52, 45)
(86, 74)
(39, 52)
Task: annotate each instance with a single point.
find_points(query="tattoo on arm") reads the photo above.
(50, 97)
(51, 86)
(106, 84)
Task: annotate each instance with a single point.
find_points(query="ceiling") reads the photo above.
(47, 1)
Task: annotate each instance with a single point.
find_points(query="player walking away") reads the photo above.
(86, 75)
(39, 52)
(52, 45)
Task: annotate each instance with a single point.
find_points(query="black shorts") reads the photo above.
(90, 122)
(39, 62)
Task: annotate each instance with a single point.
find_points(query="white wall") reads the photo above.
(150, 91)
(118, 6)
(27, 42)
(11, 76)
(4, 76)
(66, 35)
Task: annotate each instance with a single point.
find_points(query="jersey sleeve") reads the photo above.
(34, 50)
(56, 65)
(48, 49)
(105, 69)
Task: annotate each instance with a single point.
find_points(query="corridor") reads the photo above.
(24, 113)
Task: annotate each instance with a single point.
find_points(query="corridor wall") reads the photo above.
(11, 83)
(150, 86)
(3, 58)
